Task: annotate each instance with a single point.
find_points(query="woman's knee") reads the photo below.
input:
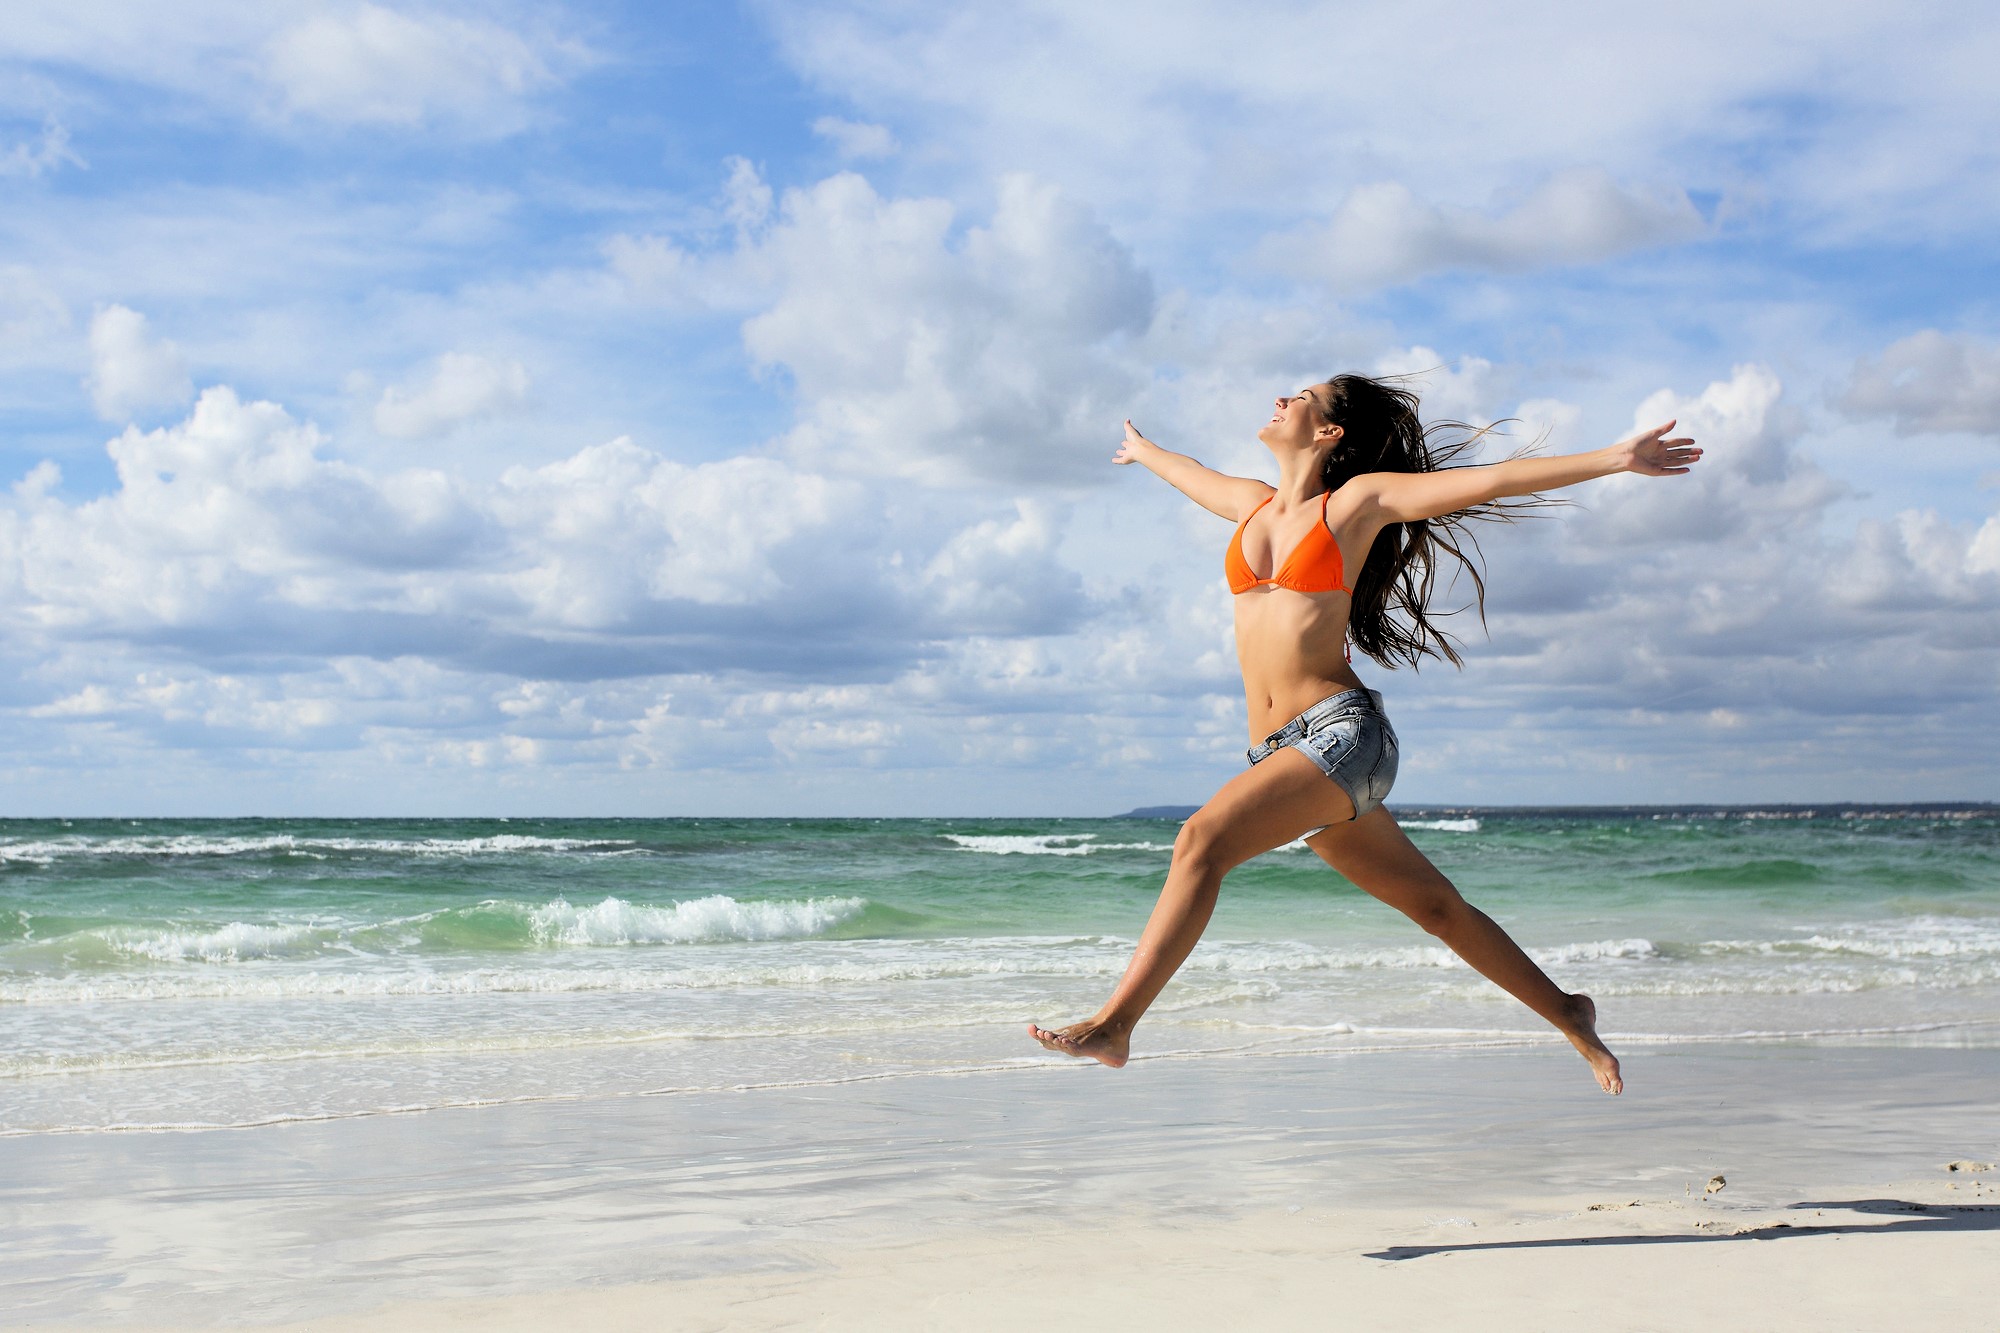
(1200, 846)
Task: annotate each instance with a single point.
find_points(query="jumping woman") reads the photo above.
(1361, 487)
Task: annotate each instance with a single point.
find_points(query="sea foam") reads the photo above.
(47, 851)
(714, 918)
(226, 944)
(1047, 844)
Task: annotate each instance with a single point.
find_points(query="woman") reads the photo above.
(1360, 488)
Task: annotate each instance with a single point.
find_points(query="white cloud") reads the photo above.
(1550, 424)
(90, 701)
(220, 519)
(748, 196)
(1002, 577)
(31, 311)
(855, 140)
(132, 371)
(1188, 113)
(921, 355)
(653, 268)
(1919, 561)
(461, 388)
(618, 610)
(1751, 486)
(1724, 589)
(342, 63)
(373, 65)
(615, 529)
(1930, 383)
(232, 534)
(41, 155)
(243, 588)
(1466, 391)
(1382, 234)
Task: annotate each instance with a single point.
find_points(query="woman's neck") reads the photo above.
(1300, 477)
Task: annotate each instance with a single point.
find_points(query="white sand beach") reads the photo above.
(1858, 1264)
(1489, 1188)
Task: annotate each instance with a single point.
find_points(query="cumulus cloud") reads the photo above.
(1002, 577)
(1383, 234)
(922, 354)
(373, 65)
(131, 371)
(619, 609)
(234, 536)
(855, 140)
(461, 388)
(1752, 481)
(1465, 390)
(1725, 589)
(1930, 383)
(615, 529)
(229, 514)
(923, 580)
(920, 347)
(1919, 561)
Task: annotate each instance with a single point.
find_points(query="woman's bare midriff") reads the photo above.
(1292, 647)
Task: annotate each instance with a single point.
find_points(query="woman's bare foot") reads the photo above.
(1582, 1034)
(1107, 1043)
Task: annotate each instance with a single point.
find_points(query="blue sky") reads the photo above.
(707, 409)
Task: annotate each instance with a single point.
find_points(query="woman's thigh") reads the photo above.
(1378, 857)
(1267, 806)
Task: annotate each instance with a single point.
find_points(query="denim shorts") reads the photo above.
(1349, 739)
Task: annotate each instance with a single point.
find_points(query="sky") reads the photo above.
(707, 409)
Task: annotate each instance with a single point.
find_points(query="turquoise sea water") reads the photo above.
(181, 973)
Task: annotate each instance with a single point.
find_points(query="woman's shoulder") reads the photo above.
(1254, 499)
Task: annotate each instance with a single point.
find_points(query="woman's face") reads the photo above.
(1297, 419)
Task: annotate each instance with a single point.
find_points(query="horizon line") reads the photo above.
(1428, 807)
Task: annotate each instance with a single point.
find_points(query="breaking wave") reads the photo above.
(47, 851)
(1047, 844)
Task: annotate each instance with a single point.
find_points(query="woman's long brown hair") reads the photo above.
(1391, 619)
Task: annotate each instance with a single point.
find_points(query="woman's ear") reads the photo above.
(1330, 434)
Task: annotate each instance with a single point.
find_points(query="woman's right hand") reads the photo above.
(1128, 449)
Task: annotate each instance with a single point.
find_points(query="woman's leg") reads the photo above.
(1264, 807)
(1380, 859)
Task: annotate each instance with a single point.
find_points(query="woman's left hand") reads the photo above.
(1651, 453)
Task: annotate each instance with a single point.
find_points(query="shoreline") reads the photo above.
(882, 1195)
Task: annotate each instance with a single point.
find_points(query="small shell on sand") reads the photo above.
(1715, 1185)
(1964, 1165)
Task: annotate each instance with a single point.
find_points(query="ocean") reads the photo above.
(160, 974)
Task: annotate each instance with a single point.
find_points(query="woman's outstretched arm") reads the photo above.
(1405, 497)
(1217, 492)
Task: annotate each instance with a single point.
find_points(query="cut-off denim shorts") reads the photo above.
(1348, 738)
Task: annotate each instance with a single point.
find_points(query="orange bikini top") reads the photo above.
(1313, 566)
